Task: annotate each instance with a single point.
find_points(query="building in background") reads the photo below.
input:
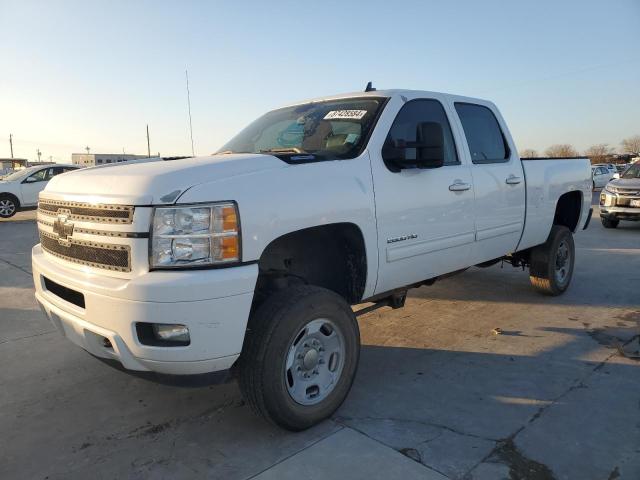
(8, 165)
(92, 159)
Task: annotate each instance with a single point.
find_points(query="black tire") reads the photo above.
(8, 206)
(270, 335)
(608, 222)
(546, 261)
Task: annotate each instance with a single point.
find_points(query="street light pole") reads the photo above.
(186, 73)
(11, 143)
(148, 144)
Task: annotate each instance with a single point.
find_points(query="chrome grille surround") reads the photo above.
(87, 212)
(106, 233)
(99, 255)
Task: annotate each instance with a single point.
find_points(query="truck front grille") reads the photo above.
(87, 212)
(99, 255)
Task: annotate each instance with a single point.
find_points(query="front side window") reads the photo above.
(328, 130)
(408, 128)
(40, 175)
(484, 136)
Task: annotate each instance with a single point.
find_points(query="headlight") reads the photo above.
(610, 189)
(196, 235)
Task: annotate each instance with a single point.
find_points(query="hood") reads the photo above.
(626, 183)
(159, 182)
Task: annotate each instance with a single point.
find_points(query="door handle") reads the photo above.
(459, 186)
(513, 180)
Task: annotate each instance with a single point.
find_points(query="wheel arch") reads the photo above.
(568, 210)
(332, 256)
(13, 196)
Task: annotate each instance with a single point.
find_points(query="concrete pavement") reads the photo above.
(438, 394)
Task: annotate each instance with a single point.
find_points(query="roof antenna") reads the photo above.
(369, 87)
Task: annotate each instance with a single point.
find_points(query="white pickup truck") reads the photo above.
(252, 258)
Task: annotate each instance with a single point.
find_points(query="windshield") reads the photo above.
(334, 129)
(19, 174)
(632, 172)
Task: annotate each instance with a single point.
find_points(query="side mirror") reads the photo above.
(30, 180)
(426, 152)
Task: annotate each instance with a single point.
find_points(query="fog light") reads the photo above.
(171, 333)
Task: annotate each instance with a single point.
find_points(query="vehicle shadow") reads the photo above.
(503, 283)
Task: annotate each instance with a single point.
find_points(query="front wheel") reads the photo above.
(551, 264)
(8, 206)
(608, 222)
(300, 356)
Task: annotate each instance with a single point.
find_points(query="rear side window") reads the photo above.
(484, 136)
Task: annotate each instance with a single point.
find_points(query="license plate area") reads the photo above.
(635, 203)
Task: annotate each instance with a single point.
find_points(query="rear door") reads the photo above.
(424, 216)
(498, 180)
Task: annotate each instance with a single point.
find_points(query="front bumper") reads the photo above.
(618, 207)
(214, 304)
(620, 213)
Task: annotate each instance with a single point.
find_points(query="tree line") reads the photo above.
(600, 153)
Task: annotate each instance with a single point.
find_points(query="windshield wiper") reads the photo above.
(228, 152)
(283, 150)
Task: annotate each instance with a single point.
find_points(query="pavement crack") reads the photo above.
(24, 270)
(410, 452)
(508, 444)
(339, 419)
(342, 427)
(9, 340)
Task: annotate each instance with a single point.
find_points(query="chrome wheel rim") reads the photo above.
(7, 207)
(315, 361)
(563, 263)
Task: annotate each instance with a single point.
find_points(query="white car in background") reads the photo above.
(601, 175)
(21, 188)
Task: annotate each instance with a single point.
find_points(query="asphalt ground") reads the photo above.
(438, 394)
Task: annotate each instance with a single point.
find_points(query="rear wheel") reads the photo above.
(551, 264)
(300, 356)
(8, 206)
(608, 222)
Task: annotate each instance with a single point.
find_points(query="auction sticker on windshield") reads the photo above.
(345, 115)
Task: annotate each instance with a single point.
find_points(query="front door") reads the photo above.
(33, 185)
(424, 215)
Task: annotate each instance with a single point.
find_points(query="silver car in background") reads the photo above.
(620, 198)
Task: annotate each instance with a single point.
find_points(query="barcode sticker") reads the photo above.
(345, 115)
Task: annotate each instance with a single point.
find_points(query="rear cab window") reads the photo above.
(486, 141)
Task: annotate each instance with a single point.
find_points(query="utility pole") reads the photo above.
(11, 143)
(39, 154)
(186, 73)
(148, 144)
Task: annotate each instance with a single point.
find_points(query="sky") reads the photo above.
(94, 73)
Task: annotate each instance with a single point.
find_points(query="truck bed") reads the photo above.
(547, 180)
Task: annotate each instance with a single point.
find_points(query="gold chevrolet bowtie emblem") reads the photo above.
(63, 227)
